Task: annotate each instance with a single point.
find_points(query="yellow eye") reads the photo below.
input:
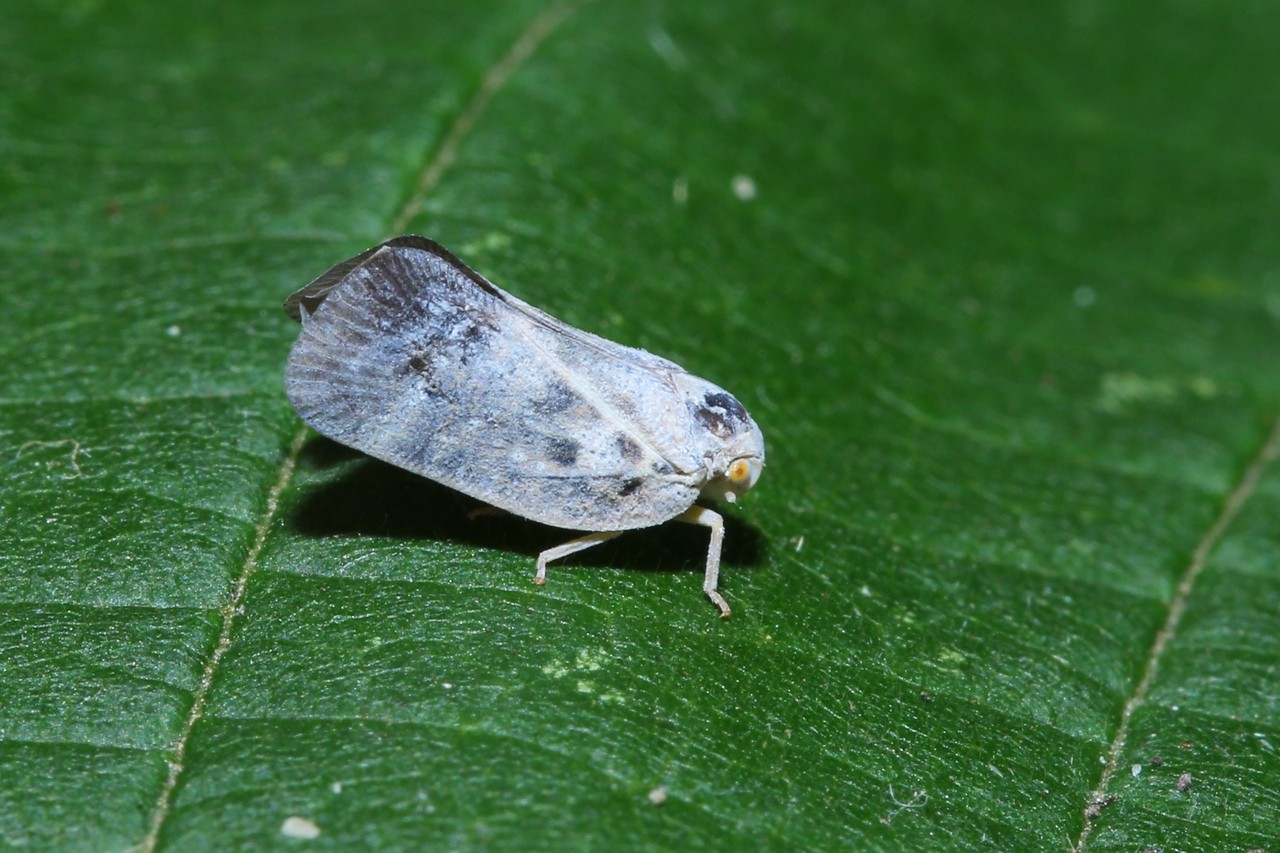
(739, 471)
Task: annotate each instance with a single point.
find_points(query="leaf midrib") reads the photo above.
(538, 29)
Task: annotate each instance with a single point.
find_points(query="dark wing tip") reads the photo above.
(308, 299)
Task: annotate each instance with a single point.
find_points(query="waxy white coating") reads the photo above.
(408, 355)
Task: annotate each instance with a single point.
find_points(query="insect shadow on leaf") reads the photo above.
(366, 497)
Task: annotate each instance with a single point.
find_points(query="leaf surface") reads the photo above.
(998, 284)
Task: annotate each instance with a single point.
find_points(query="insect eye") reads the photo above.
(739, 471)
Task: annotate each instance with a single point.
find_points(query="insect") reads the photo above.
(409, 356)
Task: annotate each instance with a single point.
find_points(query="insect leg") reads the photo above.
(485, 512)
(568, 548)
(708, 518)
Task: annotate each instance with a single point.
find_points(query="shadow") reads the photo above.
(322, 453)
(374, 498)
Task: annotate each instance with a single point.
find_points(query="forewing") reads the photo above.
(411, 357)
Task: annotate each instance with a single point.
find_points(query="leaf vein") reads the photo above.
(1243, 490)
(538, 29)
(177, 750)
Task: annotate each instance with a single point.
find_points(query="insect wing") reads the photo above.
(302, 304)
(411, 357)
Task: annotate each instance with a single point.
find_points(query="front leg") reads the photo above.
(711, 580)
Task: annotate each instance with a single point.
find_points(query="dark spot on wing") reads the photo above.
(472, 332)
(419, 367)
(563, 451)
(419, 364)
(720, 414)
(628, 448)
(662, 467)
(626, 405)
(730, 405)
(557, 398)
(630, 486)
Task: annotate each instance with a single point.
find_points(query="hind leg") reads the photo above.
(568, 548)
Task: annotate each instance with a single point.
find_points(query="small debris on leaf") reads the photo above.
(299, 827)
(1095, 808)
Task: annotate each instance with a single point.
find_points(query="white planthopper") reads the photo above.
(408, 355)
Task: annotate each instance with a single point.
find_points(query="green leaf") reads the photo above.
(999, 284)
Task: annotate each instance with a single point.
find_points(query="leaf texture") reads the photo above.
(998, 283)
